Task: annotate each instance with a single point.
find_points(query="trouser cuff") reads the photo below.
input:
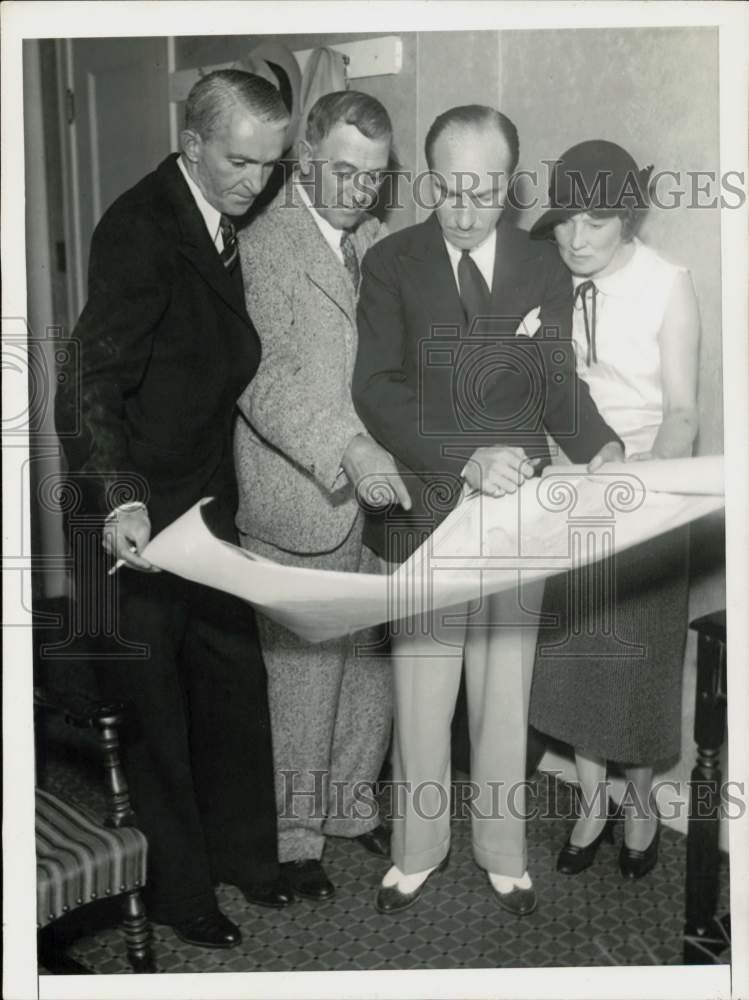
(510, 865)
(417, 861)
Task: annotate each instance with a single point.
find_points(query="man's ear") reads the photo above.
(304, 153)
(192, 143)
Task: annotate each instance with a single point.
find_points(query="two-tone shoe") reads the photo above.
(391, 900)
(519, 901)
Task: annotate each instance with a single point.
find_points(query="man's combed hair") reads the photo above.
(349, 107)
(215, 94)
(474, 116)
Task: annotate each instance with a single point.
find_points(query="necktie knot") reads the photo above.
(581, 294)
(350, 259)
(229, 236)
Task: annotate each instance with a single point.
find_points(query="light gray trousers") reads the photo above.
(498, 635)
(331, 714)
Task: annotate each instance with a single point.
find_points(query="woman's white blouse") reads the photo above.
(625, 381)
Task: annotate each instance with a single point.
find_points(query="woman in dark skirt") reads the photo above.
(608, 680)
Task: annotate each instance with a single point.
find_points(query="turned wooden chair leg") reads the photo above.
(138, 938)
(705, 936)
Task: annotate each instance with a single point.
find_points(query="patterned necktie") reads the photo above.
(349, 258)
(474, 293)
(581, 292)
(229, 235)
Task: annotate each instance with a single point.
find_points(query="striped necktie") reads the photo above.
(581, 292)
(229, 235)
(349, 257)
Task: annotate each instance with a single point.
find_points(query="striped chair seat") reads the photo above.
(78, 860)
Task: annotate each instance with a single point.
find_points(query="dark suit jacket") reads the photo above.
(431, 390)
(165, 348)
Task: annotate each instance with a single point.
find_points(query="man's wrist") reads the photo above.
(127, 508)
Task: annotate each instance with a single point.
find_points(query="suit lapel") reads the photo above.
(195, 243)
(322, 266)
(428, 266)
(510, 275)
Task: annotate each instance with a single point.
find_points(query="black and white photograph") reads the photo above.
(376, 467)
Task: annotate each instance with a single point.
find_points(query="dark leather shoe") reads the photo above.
(275, 895)
(634, 864)
(307, 878)
(519, 902)
(376, 841)
(390, 900)
(573, 859)
(211, 930)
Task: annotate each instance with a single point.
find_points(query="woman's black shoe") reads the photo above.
(573, 859)
(634, 864)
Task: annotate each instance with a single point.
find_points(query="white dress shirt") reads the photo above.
(211, 215)
(483, 256)
(331, 235)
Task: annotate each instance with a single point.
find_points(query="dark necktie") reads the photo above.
(581, 292)
(474, 293)
(349, 258)
(229, 236)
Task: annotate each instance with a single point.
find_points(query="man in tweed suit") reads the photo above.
(303, 459)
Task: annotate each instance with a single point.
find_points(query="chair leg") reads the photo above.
(138, 937)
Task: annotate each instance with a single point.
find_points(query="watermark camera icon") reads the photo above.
(34, 368)
(491, 383)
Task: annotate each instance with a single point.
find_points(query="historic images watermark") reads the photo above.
(537, 799)
(523, 190)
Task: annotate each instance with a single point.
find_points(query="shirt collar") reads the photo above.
(482, 250)
(332, 235)
(483, 255)
(211, 215)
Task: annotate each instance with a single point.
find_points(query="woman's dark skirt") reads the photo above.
(608, 671)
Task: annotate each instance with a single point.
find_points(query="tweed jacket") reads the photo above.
(296, 416)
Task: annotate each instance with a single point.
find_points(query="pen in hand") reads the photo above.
(122, 562)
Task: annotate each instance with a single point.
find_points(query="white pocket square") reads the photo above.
(530, 323)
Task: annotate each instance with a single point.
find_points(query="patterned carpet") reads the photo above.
(592, 919)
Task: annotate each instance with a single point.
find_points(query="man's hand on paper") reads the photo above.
(126, 533)
(611, 452)
(373, 474)
(498, 470)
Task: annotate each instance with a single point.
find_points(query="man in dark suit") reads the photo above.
(449, 383)
(166, 347)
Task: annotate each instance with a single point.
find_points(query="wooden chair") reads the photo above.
(706, 934)
(81, 859)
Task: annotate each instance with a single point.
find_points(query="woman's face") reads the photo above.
(589, 246)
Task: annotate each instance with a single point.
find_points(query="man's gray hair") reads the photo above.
(215, 94)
